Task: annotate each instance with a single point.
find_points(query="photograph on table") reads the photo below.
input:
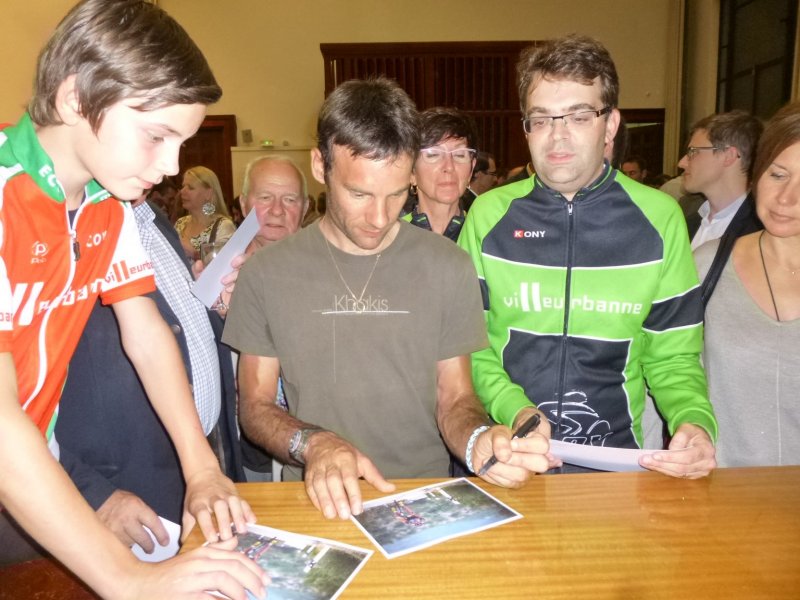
(429, 515)
(301, 567)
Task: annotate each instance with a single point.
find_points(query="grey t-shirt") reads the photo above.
(753, 368)
(369, 375)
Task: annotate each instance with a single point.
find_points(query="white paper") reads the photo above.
(161, 552)
(601, 457)
(209, 285)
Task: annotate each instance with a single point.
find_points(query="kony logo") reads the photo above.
(526, 233)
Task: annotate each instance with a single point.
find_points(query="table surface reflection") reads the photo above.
(735, 534)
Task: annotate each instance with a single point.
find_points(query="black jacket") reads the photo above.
(110, 436)
(744, 221)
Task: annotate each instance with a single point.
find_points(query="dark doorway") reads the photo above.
(211, 147)
(756, 55)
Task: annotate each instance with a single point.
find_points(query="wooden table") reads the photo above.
(42, 579)
(735, 534)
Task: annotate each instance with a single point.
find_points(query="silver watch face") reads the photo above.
(299, 442)
(294, 443)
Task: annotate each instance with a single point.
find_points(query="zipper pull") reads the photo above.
(76, 247)
(569, 207)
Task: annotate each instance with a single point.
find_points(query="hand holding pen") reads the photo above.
(528, 426)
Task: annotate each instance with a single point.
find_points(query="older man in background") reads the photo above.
(275, 187)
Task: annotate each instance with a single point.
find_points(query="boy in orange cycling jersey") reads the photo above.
(119, 87)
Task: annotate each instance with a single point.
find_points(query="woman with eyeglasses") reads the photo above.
(752, 320)
(442, 171)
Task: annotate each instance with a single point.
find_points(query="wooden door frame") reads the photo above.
(226, 126)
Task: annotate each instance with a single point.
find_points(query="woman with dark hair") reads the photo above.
(752, 326)
(442, 171)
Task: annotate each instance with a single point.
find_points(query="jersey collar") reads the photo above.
(603, 178)
(37, 164)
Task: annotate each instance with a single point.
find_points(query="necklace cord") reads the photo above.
(766, 275)
(359, 306)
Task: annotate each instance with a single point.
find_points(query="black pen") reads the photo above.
(526, 428)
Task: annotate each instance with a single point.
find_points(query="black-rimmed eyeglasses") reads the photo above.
(577, 120)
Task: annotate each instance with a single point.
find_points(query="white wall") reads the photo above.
(702, 34)
(265, 53)
(27, 24)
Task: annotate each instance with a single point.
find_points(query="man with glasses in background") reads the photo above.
(589, 288)
(718, 164)
(484, 178)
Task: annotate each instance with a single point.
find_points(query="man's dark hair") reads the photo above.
(737, 128)
(372, 118)
(574, 57)
(481, 163)
(120, 49)
(438, 124)
(640, 162)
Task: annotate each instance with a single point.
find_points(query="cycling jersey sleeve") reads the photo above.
(674, 338)
(130, 273)
(501, 397)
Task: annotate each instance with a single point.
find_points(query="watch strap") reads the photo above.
(299, 442)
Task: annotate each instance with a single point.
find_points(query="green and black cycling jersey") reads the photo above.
(588, 303)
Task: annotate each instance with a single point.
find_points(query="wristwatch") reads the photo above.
(299, 443)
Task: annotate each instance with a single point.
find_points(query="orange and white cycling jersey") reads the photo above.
(52, 272)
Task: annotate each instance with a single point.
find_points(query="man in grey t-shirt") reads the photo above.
(370, 322)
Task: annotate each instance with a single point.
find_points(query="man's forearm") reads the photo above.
(458, 410)
(270, 427)
(459, 420)
(264, 422)
(40, 496)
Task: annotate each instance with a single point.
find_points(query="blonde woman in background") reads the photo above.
(208, 219)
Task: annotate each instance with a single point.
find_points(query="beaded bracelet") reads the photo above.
(471, 446)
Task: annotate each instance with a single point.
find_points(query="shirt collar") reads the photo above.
(728, 211)
(420, 219)
(416, 211)
(144, 214)
(37, 164)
